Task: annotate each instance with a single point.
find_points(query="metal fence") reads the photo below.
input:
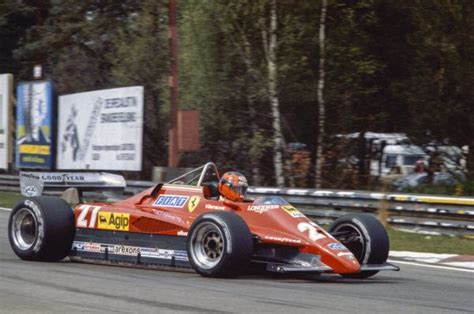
(421, 213)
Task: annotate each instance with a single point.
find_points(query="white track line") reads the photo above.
(7, 209)
(432, 266)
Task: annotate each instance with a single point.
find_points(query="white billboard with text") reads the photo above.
(101, 130)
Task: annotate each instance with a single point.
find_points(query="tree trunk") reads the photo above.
(470, 161)
(321, 109)
(250, 94)
(274, 102)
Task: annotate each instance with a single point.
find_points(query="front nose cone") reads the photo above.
(342, 262)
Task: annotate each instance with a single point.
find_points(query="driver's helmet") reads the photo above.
(233, 186)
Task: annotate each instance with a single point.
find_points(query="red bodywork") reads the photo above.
(172, 209)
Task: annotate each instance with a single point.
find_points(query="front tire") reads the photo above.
(41, 229)
(219, 244)
(365, 237)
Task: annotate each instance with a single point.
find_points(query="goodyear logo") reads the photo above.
(193, 203)
(177, 201)
(114, 221)
(293, 212)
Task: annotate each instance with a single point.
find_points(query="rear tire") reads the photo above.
(41, 229)
(365, 237)
(219, 244)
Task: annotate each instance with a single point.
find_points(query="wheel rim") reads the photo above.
(24, 229)
(352, 238)
(207, 245)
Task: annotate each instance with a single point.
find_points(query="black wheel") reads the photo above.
(365, 237)
(41, 229)
(219, 244)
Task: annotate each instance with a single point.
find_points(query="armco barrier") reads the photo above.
(423, 213)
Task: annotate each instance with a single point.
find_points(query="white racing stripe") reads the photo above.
(431, 266)
(7, 209)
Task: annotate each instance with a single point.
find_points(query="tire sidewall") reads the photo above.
(55, 228)
(236, 250)
(227, 240)
(33, 251)
(376, 242)
(366, 257)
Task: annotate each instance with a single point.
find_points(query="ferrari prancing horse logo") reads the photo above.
(193, 203)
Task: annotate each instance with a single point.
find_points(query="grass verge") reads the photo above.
(9, 199)
(407, 241)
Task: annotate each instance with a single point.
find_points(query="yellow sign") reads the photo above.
(293, 212)
(113, 221)
(193, 203)
(34, 149)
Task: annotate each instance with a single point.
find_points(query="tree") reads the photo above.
(226, 79)
(270, 50)
(445, 37)
(321, 109)
(73, 39)
(140, 58)
(18, 19)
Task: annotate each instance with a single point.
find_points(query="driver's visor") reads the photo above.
(241, 189)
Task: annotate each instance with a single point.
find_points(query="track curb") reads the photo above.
(448, 260)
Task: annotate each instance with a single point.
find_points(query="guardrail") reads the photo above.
(421, 213)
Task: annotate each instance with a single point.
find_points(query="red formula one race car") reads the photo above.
(186, 224)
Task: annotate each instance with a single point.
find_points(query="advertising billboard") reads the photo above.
(34, 125)
(6, 96)
(101, 130)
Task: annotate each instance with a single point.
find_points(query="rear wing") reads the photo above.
(34, 183)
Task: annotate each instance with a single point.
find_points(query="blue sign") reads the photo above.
(171, 201)
(34, 125)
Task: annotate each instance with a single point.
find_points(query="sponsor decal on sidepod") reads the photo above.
(336, 246)
(280, 239)
(113, 221)
(176, 201)
(293, 212)
(193, 203)
(262, 208)
(130, 250)
(214, 207)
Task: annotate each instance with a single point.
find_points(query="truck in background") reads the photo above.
(389, 156)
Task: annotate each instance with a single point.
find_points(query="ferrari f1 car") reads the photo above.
(184, 224)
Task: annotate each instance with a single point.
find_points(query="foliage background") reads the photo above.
(392, 66)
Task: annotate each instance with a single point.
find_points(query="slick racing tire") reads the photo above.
(41, 229)
(365, 237)
(219, 244)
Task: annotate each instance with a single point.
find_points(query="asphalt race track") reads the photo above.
(75, 287)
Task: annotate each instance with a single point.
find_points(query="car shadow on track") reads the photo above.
(319, 278)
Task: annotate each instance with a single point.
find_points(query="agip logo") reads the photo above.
(114, 221)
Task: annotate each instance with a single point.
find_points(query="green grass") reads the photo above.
(406, 241)
(9, 199)
(464, 189)
(399, 240)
